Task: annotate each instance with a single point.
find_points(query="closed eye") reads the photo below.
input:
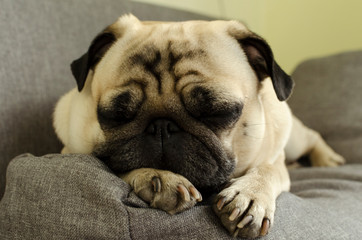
(225, 117)
(204, 105)
(121, 110)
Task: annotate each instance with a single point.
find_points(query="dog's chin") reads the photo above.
(204, 163)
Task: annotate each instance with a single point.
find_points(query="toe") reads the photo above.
(220, 204)
(156, 183)
(185, 195)
(245, 221)
(195, 193)
(265, 227)
(234, 214)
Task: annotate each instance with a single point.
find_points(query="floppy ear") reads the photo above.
(261, 59)
(96, 51)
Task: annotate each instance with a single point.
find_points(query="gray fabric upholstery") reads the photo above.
(328, 98)
(77, 197)
(39, 39)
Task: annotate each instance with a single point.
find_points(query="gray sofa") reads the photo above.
(55, 196)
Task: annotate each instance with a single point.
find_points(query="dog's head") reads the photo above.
(174, 96)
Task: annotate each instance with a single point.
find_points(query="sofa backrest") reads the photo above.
(327, 97)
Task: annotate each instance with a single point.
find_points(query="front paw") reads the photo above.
(164, 189)
(245, 212)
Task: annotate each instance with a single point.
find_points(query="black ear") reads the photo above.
(96, 51)
(261, 59)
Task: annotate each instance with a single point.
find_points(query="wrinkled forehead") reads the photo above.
(180, 39)
(176, 36)
(161, 41)
(167, 56)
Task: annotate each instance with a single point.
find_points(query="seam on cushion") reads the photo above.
(129, 223)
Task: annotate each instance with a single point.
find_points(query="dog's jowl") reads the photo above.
(177, 109)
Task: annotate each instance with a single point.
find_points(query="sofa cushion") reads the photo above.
(328, 98)
(77, 197)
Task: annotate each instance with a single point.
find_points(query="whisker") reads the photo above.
(250, 136)
(255, 124)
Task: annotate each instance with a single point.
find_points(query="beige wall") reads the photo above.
(295, 29)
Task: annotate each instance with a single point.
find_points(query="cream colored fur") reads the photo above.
(271, 135)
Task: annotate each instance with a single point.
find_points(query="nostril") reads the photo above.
(151, 129)
(172, 127)
(163, 127)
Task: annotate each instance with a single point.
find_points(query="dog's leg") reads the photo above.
(164, 190)
(65, 150)
(304, 140)
(246, 207)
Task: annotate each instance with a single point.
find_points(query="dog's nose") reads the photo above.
(163, 127)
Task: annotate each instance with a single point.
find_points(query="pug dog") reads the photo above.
(177, 109)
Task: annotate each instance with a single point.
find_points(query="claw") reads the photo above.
(246, 220)
(236, 232)
(234, 214)
(184, 192)
(196, 194)
(265, 227)
(220, 203)
(156, 182)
